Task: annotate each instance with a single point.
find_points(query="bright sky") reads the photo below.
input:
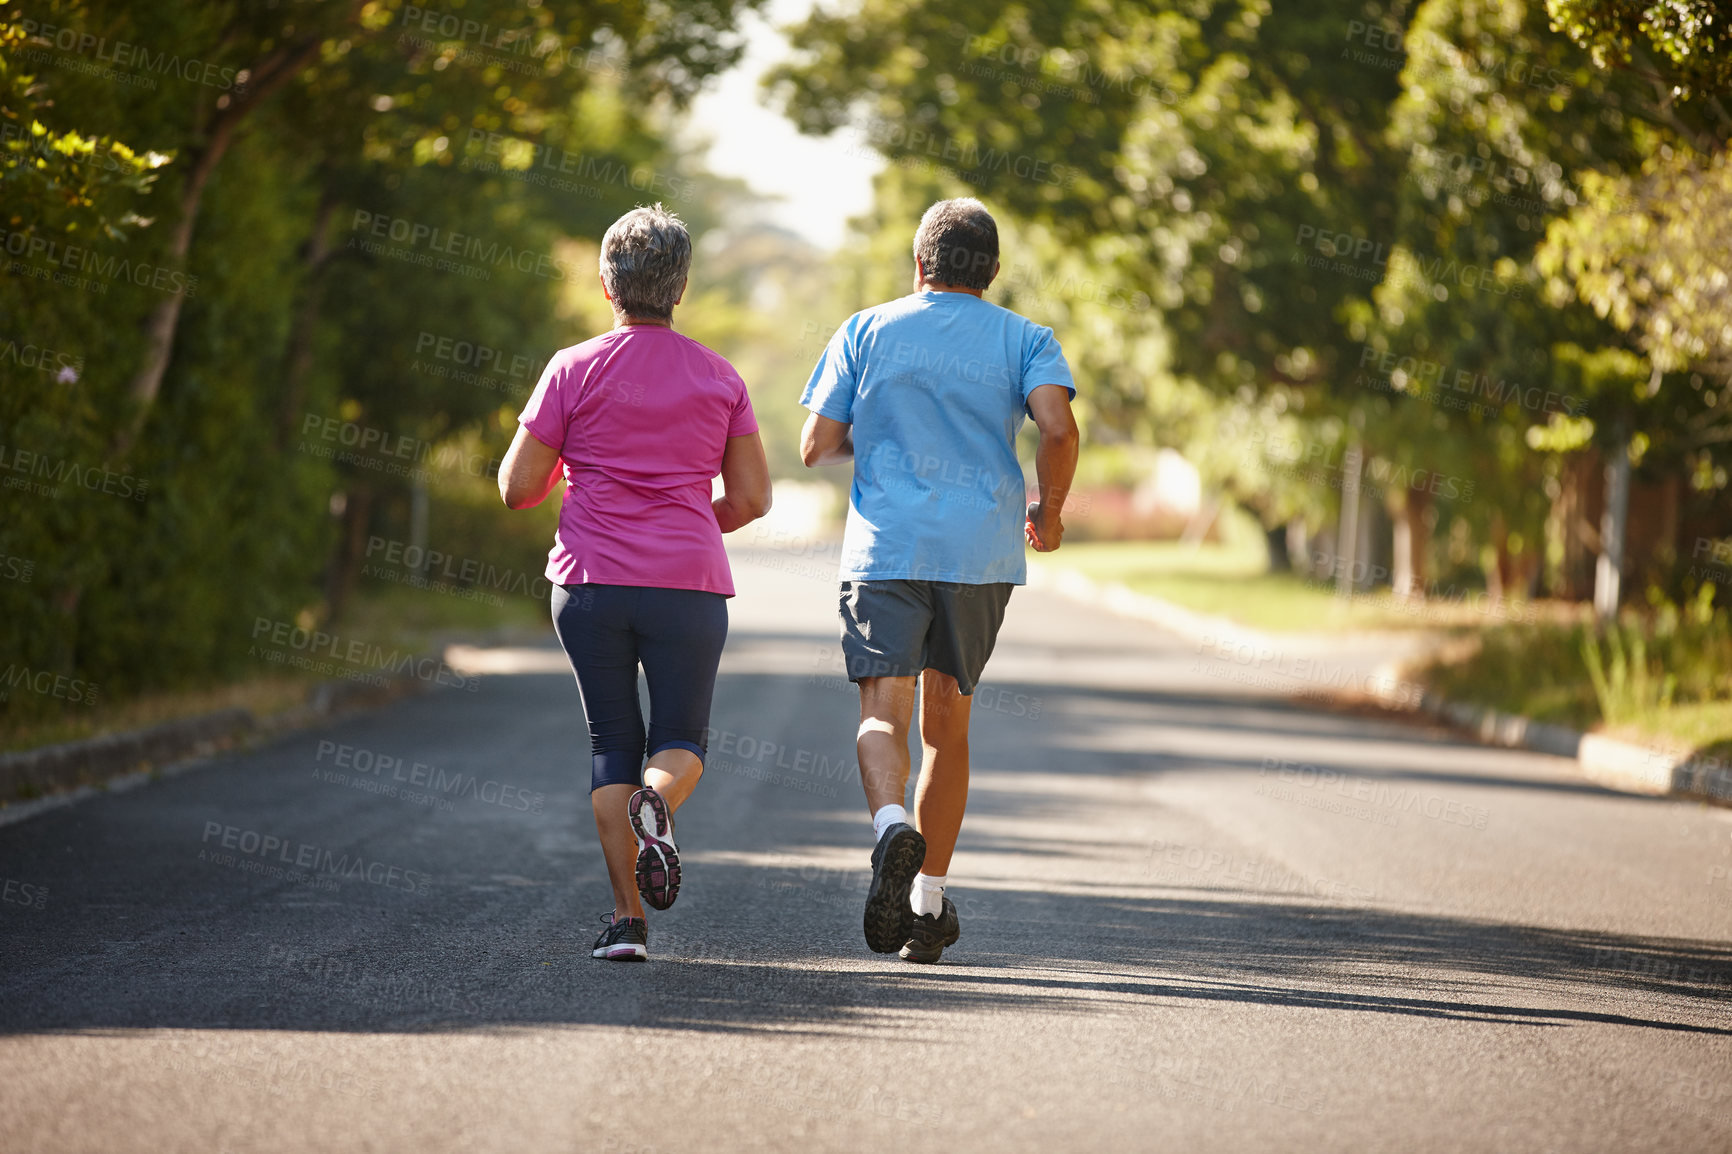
(822, 181)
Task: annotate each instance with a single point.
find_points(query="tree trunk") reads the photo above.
(1368, 557)
(1575, 533)
(1401, 550)
(164, 320)
(418, 517)
(1557, 533)
(298, 365)
(1299, 547)
(1495, 586)
(1347, 536)
(1280, 559)
(1509, 576)
(1671, 494)
(1411, 538)
(345, 566)
(63, 657)
(1609, 571)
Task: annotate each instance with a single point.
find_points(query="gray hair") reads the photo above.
(957, 243)
(645, 257)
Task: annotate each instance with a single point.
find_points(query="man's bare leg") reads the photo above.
(886, 709)
(942, 795)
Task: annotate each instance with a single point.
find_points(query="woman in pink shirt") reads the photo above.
(640, 420)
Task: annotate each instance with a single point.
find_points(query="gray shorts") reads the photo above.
(899, 628)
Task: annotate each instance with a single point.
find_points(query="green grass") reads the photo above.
(1535, 672)
(1231, 580)
(409, 618)
(1702, 726)
(392, 616)
(265, 695)
(1540, 671)
(1534, 667)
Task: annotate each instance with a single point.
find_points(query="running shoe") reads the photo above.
(658, 861)
(930, 934)
(896, 858)
(624, 940)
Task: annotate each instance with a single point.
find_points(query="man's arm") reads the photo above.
(826, 442)
(1054, 464)
(528, 472)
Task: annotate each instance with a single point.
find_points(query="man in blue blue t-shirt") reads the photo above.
(925, 396)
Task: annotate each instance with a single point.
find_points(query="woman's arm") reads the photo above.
(745, 483)
(528, 472)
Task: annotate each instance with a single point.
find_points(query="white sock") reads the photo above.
(886, 817)
(927, 896)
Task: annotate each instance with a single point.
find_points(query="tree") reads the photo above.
(1683, 47)
(1192, 157)
(1644, 248)
(252, 134)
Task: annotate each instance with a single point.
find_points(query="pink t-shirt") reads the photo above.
(640, 416)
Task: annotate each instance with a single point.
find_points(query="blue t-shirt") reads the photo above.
(936, 386)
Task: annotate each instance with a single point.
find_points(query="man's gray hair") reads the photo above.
(645, 257)
(957, 243)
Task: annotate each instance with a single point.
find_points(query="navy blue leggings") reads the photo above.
(676, 634)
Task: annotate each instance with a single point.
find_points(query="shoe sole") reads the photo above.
(658, 861)
(621, 953)
(910, 954)
(888, 914)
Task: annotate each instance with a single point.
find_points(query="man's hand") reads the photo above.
(1043, 529)
(1054, 464)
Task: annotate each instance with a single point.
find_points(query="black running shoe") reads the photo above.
(658, 861)
(624, 940)
(929, 935)
(896, 858)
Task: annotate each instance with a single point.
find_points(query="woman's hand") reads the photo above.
(745, 483)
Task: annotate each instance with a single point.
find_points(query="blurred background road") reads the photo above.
(1190, 914)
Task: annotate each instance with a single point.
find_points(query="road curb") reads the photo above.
(1652, 770)
(1655, 771)
(91, 763)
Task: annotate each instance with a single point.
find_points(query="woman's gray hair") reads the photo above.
(645, 257)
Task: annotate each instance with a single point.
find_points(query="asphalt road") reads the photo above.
(1194, 917)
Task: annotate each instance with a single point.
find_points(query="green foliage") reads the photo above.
(233, 160)
(1645, 250)
(1176, 149)
(1637, 671)
(1332, 220)
(1684, 45)
(1626, 685)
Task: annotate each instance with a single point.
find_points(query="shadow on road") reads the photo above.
(154, 941)
(1104, 954)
